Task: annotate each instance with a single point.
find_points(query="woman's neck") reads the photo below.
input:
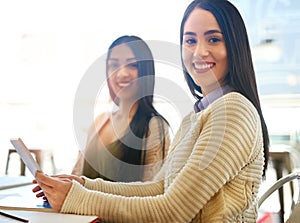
(127, 109)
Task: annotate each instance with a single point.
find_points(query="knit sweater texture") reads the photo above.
(212, 173)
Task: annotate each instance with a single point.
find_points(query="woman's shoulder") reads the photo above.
(235, 104)
(232, 96)
(102, 117)
(99, 121)
(157, 120)
(234, 100)
(157, 124)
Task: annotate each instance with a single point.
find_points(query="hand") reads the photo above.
(53, 189)
(61, 177)
(66, 176)
(70, 177)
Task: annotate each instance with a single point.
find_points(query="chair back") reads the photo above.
(295, 207)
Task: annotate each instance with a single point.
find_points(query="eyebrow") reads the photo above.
(128, 59)
(212, 32)
(131, 59)
(206, 33)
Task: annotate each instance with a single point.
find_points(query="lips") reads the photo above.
(202, 67)
(124, 84)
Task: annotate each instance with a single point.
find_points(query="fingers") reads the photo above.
(53, 189)
(36, 189)
(41, 194)
(66, 177)
(45, 180)
(62, 176)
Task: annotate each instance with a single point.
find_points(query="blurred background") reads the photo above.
(47, 46)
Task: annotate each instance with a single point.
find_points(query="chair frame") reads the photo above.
(280, 183)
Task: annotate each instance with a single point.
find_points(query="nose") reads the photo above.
(122, 72)
(201, 50)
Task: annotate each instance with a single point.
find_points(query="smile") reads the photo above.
(124, 84)
(201, 67)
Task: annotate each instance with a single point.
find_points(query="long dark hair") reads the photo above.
(139, 125)
(241, 75)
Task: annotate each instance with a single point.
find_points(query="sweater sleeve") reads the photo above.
(221, 148)
(154, 162)
(157, 144)
(150, 188)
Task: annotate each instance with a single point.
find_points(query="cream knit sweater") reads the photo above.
(212, 174)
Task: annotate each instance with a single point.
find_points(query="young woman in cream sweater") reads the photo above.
(218, 156)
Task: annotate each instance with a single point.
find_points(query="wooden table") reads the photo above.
(21, 198)
(21, 201)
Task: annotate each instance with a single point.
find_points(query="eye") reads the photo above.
(214, 39)
(189, 41)
(133, 65)
(113, 66)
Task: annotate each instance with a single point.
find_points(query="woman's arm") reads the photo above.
(229, 135)
(77, 169)
(150, 188)
(157, 145)
(94, 128)
(154, 187)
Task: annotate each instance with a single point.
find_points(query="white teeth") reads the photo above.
(202, 66)
(124, 84)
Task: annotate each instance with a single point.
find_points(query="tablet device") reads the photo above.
(25, 155)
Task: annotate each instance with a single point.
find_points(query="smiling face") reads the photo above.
(204, 51)
(122, 71)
